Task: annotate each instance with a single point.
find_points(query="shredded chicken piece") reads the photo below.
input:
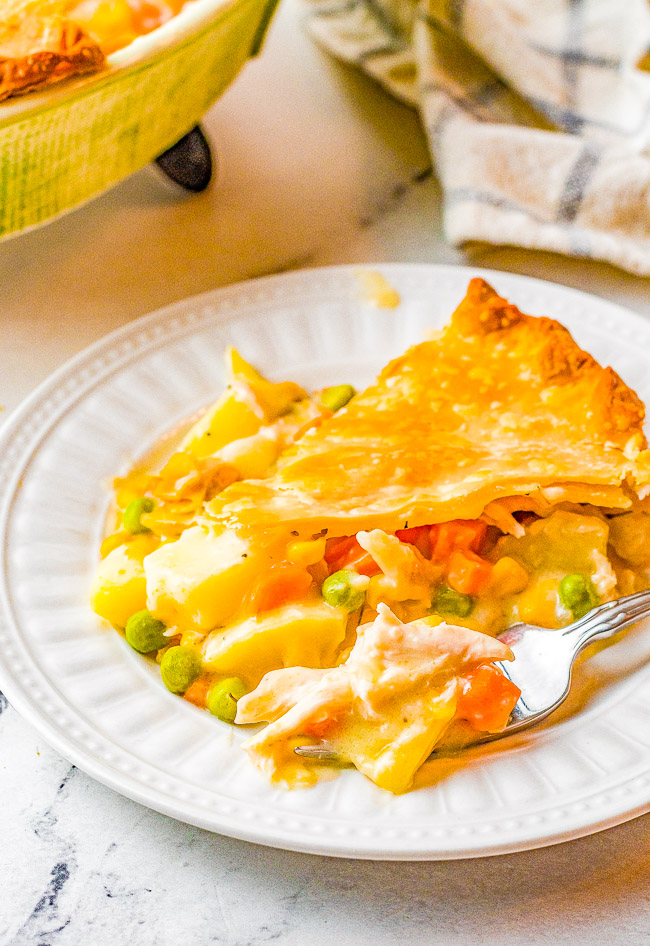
(407, 575)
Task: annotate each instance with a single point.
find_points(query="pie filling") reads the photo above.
(114, 24)
(365, 620)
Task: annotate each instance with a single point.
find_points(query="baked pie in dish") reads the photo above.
(338, 565)
(45, 41)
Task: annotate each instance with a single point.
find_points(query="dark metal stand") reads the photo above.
(189, 162)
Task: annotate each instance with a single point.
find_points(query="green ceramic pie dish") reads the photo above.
(64, 146)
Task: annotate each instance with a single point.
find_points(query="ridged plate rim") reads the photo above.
(604, 805)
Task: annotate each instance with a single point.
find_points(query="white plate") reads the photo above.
(104, 707)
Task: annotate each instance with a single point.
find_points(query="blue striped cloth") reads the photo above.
(537, 112)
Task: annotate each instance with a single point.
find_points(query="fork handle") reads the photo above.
(608, 619)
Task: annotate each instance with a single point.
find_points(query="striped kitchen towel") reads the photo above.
(537, 112)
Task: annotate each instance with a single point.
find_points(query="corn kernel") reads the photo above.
(508, 577)
(306, 553)
(538, 603)
(433, 620)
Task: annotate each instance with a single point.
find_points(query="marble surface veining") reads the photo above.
(82, 865)
(316, 166)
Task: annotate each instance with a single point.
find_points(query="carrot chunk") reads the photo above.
(457, 534)
(197, 692)
(347, 553)
(282, 584)
(487, 699)
(320, 726)
(468, 572)
(366, 566)
(419, 536)
(337, 549)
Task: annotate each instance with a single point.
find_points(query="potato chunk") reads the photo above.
(629, 536)
(249, 403)
(275, 398)
(304, 636)
(231, 418)
(199, 581)
(119, 587)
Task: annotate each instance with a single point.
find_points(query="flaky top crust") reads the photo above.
(36, 51)
(500, 404)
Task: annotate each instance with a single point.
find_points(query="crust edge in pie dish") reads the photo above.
(37, 52)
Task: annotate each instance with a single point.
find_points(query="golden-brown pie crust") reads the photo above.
(38, 51)
(501, 404)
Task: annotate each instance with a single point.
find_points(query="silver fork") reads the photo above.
(543, 663)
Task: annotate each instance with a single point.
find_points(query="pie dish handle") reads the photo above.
(188, 163)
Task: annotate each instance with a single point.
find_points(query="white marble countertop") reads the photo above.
(316, 166)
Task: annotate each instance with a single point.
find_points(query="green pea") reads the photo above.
(337, 397)
(222, 698)
(345, 589)
(448, 601)
(133, 513)
(577, 593)
(180, 667)
(144, 632)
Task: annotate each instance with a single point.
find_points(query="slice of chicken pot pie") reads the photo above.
(338, 565)
(500, 405)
